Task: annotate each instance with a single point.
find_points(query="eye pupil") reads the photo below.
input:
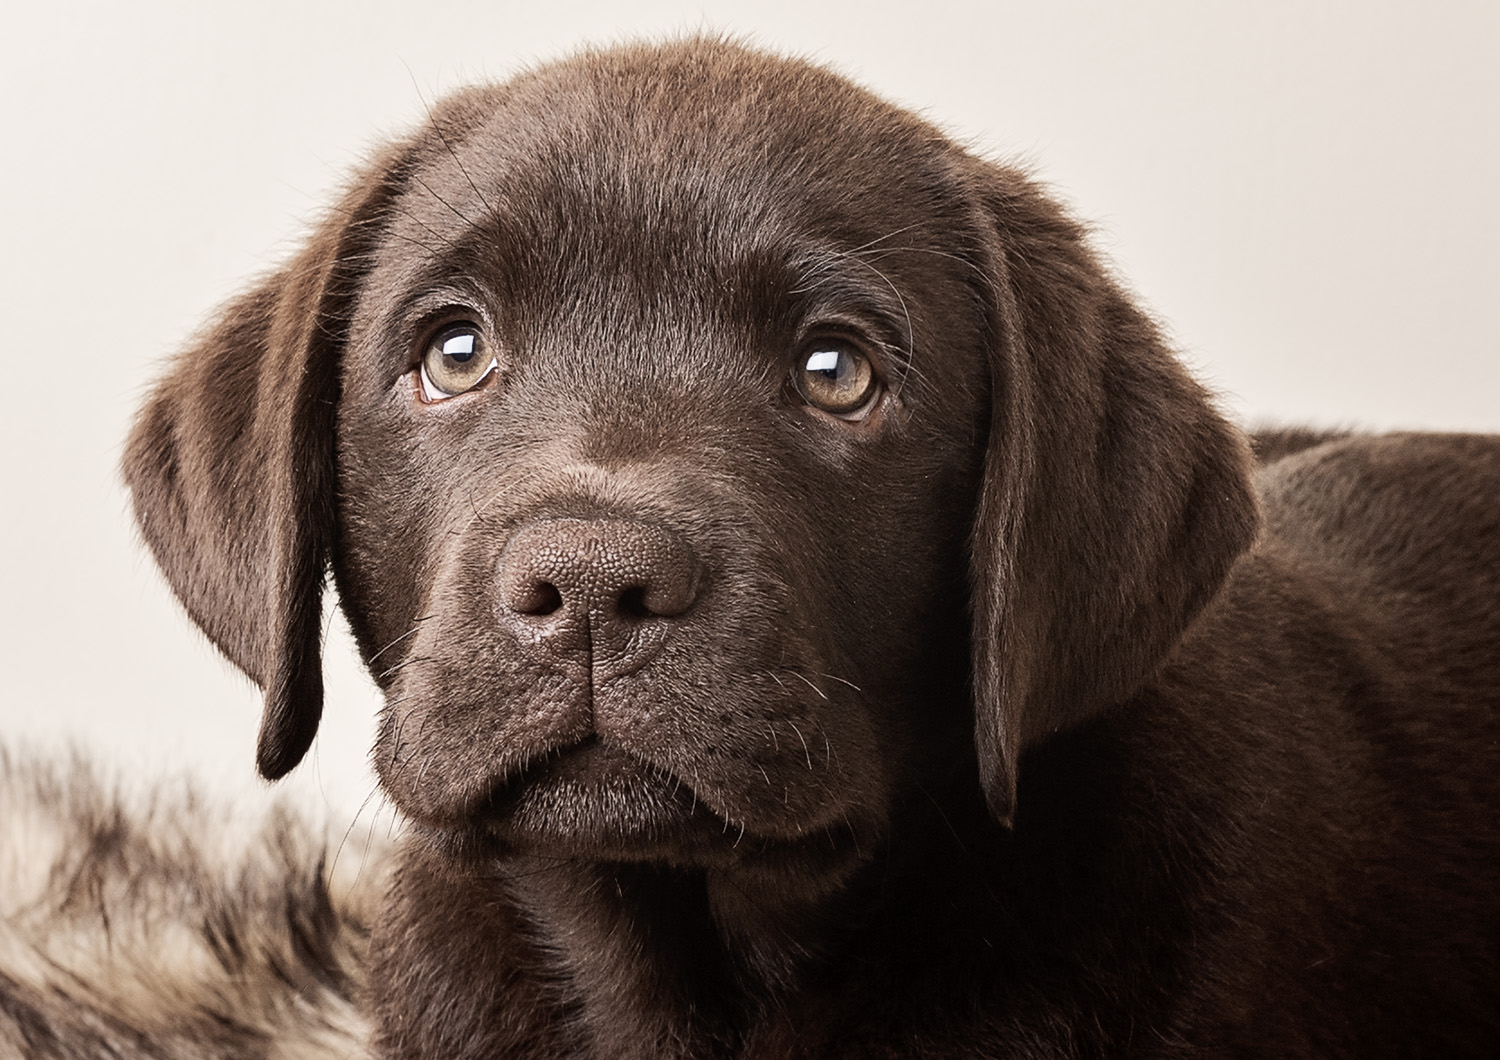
(456, 360)
(460, 347)
(836, 377)
(829, 364)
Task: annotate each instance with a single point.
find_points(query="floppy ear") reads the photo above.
(230, 468)
(1114, 500)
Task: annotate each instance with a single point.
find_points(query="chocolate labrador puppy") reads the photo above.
(817, 615)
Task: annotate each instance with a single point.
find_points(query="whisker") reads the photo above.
(805, 751)
(881, 239)
(403, 664)
(427, 227)
(438, 128)
(938, 806)
(901, 300)
(339, 850)
(841, 681)
(808, 683)
(468, 223)
(415, 626)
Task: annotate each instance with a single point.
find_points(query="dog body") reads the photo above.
(1230, 863)
(818, 617)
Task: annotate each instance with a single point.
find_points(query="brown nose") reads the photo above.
(609, 588)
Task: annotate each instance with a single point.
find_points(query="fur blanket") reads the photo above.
(162, 926)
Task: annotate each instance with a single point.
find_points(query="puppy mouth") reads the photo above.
(595, 800)
(592, 801)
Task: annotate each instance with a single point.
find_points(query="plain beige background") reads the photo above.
(1307, 193)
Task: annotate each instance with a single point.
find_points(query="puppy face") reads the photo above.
(667, 561)
(706, 453)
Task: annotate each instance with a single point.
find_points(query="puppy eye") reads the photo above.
(833, 375)
(457, 360)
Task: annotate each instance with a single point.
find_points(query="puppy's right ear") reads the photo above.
(230, 466)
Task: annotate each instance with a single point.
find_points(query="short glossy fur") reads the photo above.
(1019, 717)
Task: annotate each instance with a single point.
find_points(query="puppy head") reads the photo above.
(672, 420)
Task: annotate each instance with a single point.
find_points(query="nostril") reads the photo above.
(632, 602)
(540, 598)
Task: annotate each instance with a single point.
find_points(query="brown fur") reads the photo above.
(996, 723)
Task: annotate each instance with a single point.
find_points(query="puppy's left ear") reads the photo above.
(1114, 499)
(230, 467)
